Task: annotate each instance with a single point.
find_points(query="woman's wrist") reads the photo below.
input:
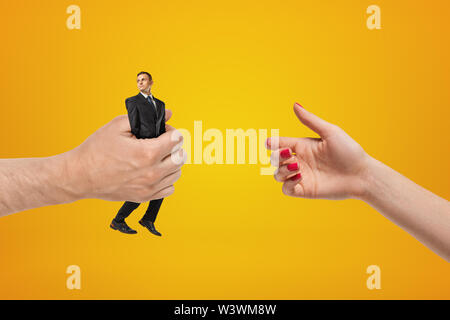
(366, 179)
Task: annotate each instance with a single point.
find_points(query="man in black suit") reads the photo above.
(147, 120)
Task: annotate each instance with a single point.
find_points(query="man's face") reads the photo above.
(144, 83)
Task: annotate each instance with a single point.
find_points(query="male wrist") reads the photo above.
(70, 183)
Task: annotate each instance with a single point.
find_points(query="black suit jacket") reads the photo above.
(144, 121)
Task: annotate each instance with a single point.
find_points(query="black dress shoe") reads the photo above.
(150, 226)
(122, 227)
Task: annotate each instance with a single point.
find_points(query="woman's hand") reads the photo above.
(330, 167)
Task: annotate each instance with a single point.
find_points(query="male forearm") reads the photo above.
(415, 209)
(35, 182)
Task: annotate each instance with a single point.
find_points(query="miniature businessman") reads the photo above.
(147, 120)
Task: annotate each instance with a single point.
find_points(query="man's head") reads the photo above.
(144, 82)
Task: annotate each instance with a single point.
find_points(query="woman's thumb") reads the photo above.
(316, 124)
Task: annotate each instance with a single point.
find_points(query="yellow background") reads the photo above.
(228, 232)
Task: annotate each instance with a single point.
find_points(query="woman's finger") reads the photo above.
(281, 157)
(316, 124)
(274, 143)
(286, 171)
(290, 185)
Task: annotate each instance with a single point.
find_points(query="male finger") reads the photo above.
(168, 114)
(165, 143)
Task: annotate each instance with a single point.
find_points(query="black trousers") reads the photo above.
(128, 207)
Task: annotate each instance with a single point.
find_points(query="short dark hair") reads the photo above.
(144, 72)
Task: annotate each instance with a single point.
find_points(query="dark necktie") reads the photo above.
(151, 102)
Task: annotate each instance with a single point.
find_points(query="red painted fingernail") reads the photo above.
(296, 177)
(293, 166)
(299, 105)
(286, 153)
